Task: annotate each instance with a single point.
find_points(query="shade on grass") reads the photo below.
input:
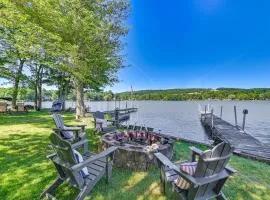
(25, 171)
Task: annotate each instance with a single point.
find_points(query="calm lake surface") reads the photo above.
(181, 118)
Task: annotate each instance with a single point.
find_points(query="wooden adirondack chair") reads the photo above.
(69, 169)
(99, 123)
(3, 106)
(20, 106)
(210, 175)
(77, 130)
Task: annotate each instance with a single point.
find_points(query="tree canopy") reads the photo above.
(80, 38)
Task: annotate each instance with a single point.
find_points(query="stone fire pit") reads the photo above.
(136, 148)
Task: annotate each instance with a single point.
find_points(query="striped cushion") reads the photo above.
(190, 169)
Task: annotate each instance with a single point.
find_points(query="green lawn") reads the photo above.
(25, 171)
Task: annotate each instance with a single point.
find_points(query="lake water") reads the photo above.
(181, 118)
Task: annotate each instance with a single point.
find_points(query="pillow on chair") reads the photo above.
(84, 172)
(188, 168)
(67, 134)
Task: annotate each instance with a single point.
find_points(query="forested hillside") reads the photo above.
(199, 94)
(166, 95)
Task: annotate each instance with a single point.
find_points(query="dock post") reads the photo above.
(116, 117)
(235, 116)
(221, 109)
(212, 118)
(205, 108)
(245, 112)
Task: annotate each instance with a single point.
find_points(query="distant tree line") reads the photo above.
(28, 94)
(198, 94)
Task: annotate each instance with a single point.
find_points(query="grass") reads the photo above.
(25, 171)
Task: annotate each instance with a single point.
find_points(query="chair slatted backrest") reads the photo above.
(98, 115)
(20, 105)
(57, 106)
(212, 162)
(67, 158)
(59, 122)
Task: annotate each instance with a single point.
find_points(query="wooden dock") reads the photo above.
(245, 144)
(121, 115)
(122, 111)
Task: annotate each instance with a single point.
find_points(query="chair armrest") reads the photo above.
(67, 129)
(196, 150)
(79, 144)
(51, 155)
(85, 163)
(210, 179)
(230, 170)
(81, 126)
(179, 162)
(73, 129)
(76, 125)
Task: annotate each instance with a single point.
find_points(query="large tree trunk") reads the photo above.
(39, 97)
(62, 91)
(80, 108)
(38, 87)
(16, 84)
(36, 95)
(35, 87)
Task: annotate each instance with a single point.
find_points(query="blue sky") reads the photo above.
(197, 43)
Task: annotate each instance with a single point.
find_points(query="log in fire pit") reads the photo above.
(137, 147)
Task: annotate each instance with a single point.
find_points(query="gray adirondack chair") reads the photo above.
(98, 118)
(77, 130)
(209, 178)
(69, 170)
(20, 106)
(3, 106)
